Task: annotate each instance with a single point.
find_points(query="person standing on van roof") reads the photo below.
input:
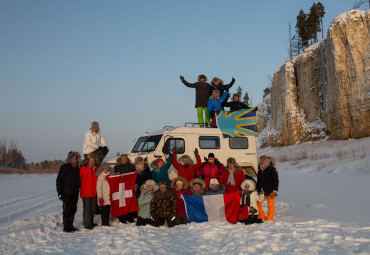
(211, 169)
(93, 139)
(214, 105)
(160, 170)
(218, 84)
(201, 97)
(232, 177)
(235, 104)
(185, 166)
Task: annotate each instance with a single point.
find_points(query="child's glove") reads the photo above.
(101, 202)
(273, 194)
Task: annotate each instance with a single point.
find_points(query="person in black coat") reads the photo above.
(124, 165)
(235, 104)
(218, 84)
(267, 184)
(202, 89)
(68, 186)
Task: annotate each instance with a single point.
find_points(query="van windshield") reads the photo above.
(139, 144)
(151, 143)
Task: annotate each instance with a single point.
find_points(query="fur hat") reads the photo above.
(118, 160)
(251, 185)
(71, 155)
(103, 166)
(149, 183)
(191, 162)
(181, 179)
(139, 159)
(213, 181)
(95, 124)
(231, 161)
(162, 182)
(202, 76)
(197, 181)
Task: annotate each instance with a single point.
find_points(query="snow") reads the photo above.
(322, 208)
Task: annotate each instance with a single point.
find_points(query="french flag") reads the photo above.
(223, 207)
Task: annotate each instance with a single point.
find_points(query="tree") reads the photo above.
(239, 92)
(246, 98)
(357, 4)
(320, 8)
(3, 151)
(301, 28)
(313, 23)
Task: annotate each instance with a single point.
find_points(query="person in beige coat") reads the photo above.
(103, 192)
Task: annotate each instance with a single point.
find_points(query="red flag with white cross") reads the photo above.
(122, 194)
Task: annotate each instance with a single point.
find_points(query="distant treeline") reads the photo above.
(12, 161)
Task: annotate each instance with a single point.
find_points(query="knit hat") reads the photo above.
(211, 155)
(139, 159)
(213, 181)
(158, 160)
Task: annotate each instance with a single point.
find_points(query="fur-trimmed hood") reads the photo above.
(206, 79)
(179, 160)
(119, 162)
(71, 155)
(105, 165)
(220, 82)
(183, 180)
(271, 161)
(197, 180)
(251, 183)
(147, 183)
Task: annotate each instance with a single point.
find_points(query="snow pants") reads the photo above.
(270, 209)
(69, 210)
(105, 213)
(89, 211)
(200, 115)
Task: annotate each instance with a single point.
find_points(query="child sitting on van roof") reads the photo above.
(214, 105)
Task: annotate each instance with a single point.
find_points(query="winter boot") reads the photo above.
(66, 225)
(71, 227)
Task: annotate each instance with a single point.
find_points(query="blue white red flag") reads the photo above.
(223, 207)
(237, 123)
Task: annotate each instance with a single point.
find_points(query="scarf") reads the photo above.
(246, 196)
(230, 179)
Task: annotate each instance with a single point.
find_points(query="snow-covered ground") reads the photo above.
(323, 207)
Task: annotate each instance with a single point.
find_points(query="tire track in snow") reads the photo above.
(20, 200)
(29, 211)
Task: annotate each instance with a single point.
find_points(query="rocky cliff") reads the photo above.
(325, 91)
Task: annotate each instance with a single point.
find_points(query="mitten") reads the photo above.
(181, 77)
(273, 194)
(101, 202)
(196, 153)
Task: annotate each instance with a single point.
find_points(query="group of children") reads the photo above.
(159, 198)
(212, 98)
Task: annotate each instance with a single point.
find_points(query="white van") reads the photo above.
(158, 145)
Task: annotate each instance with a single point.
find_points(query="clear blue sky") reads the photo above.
(64, 64)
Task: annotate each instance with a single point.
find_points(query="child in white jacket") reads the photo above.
(103, 192)
(248, 202)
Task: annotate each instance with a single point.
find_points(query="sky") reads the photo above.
(64, 64)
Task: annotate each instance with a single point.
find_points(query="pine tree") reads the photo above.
(320, 8)
(246, 99)
(239, 92)
(301, 28)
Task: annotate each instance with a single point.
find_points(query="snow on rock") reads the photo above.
(328, 82)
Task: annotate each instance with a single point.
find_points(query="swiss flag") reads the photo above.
(122, 194)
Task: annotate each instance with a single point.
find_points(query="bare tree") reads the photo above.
(3, 146)
(357, 4)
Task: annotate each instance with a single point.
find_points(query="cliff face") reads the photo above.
(325, 91)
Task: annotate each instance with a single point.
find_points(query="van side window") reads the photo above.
(179, 143)
(209, 142)
(238, 142)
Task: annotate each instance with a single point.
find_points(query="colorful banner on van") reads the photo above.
(238, 123)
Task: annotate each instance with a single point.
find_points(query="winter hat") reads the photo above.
(215, 79)
(231, 161)
(162, 182)
(213, 181)
(181, 179)
(71, 155)
(236, 95)
(211, 155)
(124, 156)
(202, 76)
(94, 124)
(158, 160)
(149, 182)
(264, 158)
(139, 159)
(216, 92)
(103, 166)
